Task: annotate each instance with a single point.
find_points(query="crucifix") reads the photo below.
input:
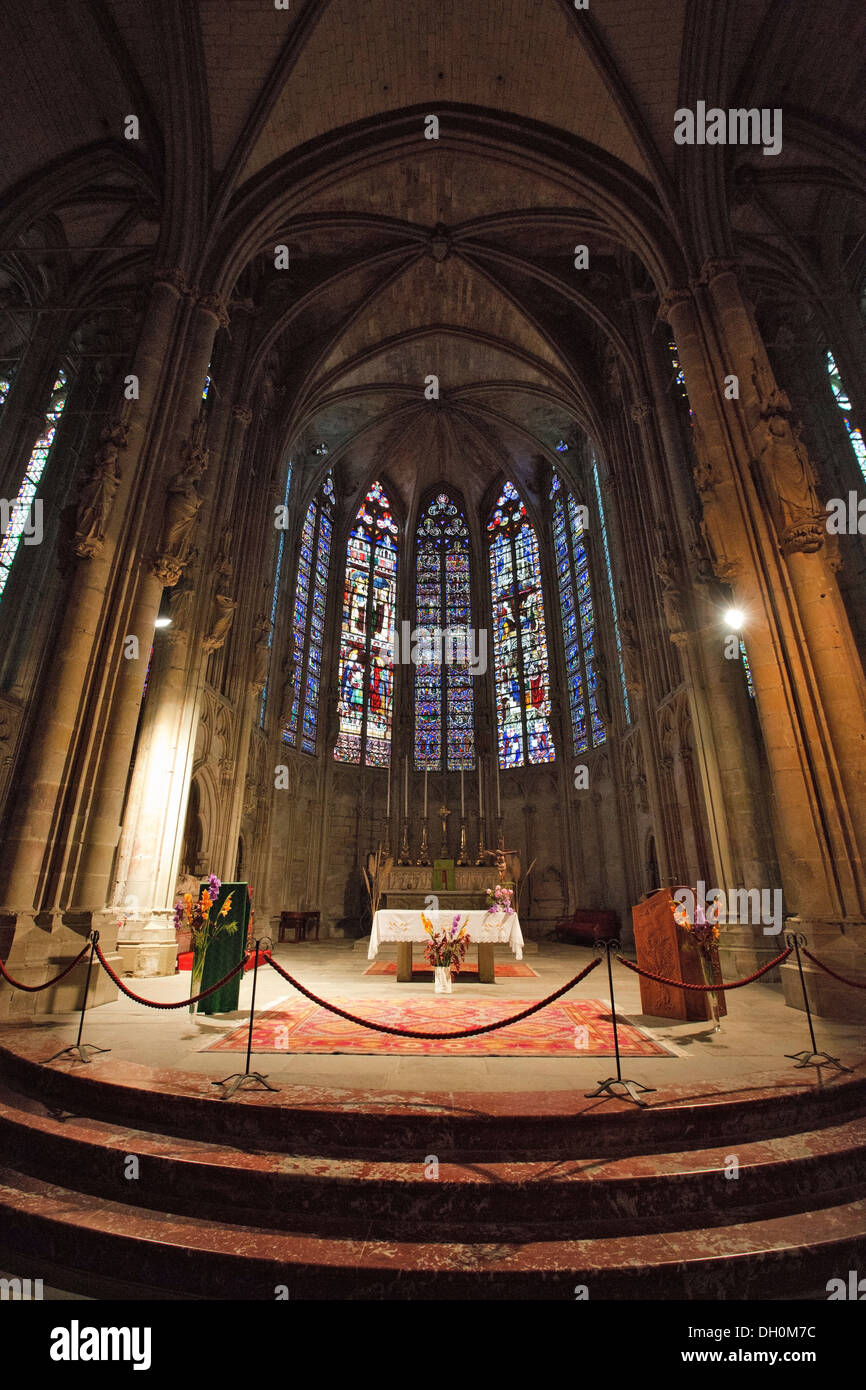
(444, 813)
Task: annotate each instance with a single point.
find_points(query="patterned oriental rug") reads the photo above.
(563, 1029)
(421, 971)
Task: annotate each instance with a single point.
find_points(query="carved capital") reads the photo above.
(641, 410)
(173, 277)
(671, 300)
(714, 267)
(242, 413)
(215, 305)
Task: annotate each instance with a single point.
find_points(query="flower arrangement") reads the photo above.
(499, 898)
(703, 929)
(198, 917)
(446, 947)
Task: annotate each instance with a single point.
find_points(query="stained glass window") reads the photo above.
(278, 570)
(611, 590)
(308, 618)
(5, 384)
(578, 618)
(521, 666)
(679, 378)
(747, 668)
(20, 512)
(366, 650)
(854, 434)
(443, 692)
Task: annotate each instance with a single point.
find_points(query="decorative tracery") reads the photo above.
(366, 651)
(521, 666)
(444, 713)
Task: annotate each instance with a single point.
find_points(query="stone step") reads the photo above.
(592, 1195)
(83, 1236)
(505, 1126)
(388, 949)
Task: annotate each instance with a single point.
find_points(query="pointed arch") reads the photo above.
(366, 640)
(444, 697)
(520, 654)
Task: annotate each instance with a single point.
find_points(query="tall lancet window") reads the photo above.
(444, 724)
(521, 667)
(21, 515)
(578, 618)
(308, 619)
(366, 650)
(854, 434)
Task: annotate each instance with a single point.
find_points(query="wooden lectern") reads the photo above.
(668, 949)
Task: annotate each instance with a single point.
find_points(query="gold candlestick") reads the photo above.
(405, 853)
(463, 858)
(424, 851)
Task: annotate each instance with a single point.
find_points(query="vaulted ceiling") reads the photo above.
(412, 257)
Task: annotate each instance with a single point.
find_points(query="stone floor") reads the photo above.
(755, 1037)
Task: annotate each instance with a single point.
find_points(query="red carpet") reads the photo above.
(421, 971)
(563, 1029)
(184, 961)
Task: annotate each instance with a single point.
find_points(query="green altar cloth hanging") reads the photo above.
(225, 950)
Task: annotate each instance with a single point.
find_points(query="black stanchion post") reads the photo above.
(78, 1051)
(240, 1079)
(609, 1086)
(806, 1058)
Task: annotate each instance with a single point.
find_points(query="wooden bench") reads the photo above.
(586, 925)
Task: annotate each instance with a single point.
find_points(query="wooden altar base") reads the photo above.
(486, 967)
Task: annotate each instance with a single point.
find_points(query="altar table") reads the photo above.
(485, 929)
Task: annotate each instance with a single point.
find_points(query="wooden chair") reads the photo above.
(312, 923)
(292, 921)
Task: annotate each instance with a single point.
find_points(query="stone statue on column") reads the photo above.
(261, 654)
(183, 505)
(668, 576)
(98, 491)
(602, 693)
(630, 652)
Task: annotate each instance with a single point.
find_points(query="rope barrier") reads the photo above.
(707, 989)
(431, 1037)
(34, 989)
(855, 984)
(181, 1003)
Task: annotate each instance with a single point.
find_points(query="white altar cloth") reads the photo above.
(402, 924)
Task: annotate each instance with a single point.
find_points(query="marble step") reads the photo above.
(330, 1121)
(80, 1237)
(589, 1196)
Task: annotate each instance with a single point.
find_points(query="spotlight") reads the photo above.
(162, 622)
(735, 619)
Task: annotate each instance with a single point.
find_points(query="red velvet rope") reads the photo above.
(707, 989)
(181, 1003)
(855, 984)
(34, 989)
(431, 1037)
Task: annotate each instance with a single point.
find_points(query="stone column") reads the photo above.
(47, 820)
(767, 536)
(152, 833)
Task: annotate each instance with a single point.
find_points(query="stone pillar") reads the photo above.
(49, 818)
(152, 833)
(766, 532)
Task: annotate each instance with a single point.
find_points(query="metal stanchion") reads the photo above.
(806, 1058)
(239, 1079)
(78, 1050)
(608, 1086)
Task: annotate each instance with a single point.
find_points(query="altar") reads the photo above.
(484, 928)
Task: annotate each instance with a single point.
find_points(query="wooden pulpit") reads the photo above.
(668, 949)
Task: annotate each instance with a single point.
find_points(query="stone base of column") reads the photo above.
(147, 944)
(42, 944)
(844, 950)
(743, 950)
